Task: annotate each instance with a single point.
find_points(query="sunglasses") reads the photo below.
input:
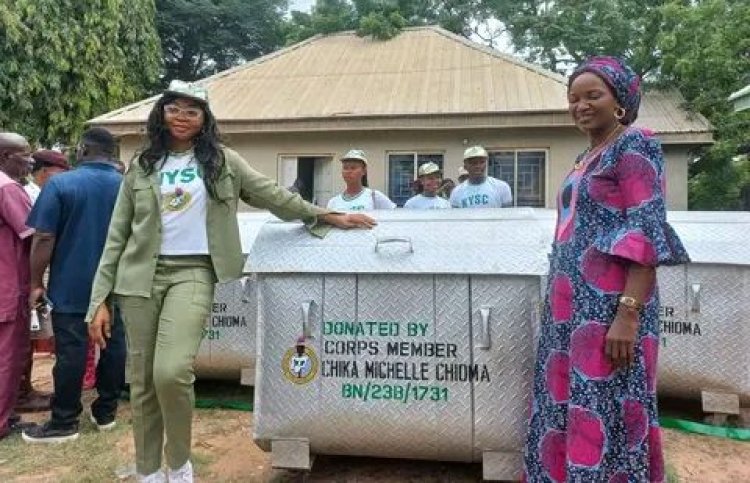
(174, 110)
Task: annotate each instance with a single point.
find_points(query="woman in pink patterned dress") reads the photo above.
(594, 416)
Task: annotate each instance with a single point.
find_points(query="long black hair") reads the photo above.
(206, 145)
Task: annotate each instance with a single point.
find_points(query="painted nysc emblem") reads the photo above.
(300, 363)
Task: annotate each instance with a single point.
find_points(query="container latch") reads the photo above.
(306, 322)
(695, 297)
(485, 342)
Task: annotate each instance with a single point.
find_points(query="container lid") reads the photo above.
(510, 241)
(250, 224)
(720, 237)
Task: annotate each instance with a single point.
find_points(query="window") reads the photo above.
(524, 171)
(402, 171)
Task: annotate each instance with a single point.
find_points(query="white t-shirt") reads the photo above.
(367, 199)
(183, 207)
(32, 190)
(422, 202)
(491, 193)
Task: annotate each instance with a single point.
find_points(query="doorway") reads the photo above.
(308, 175)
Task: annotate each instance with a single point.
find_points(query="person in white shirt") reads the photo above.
(47, 163)
(357, 196)
(480, 190)
(430, 176)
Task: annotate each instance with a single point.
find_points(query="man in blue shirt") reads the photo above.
(71, 218)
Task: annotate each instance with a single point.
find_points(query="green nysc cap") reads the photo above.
(188, 90)
(475, 152)
(355, 155)
(428, 168)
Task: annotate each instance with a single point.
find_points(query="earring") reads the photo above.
(620, 113)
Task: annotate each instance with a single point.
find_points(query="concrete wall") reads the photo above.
(263, 151)
(677, 159)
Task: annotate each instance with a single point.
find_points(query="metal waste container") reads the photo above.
(412, 340)
(705, 312)
(705, 308)
(228, 347)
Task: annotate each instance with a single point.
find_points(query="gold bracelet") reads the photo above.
(629, 303)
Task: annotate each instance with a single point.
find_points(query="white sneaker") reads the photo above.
(183, 474)
(105, 426)
(156, 477)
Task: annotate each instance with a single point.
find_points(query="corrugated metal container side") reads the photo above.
(419, 334)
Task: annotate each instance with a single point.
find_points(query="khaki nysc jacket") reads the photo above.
(128, 262)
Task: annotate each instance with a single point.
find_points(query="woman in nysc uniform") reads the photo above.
(173, 235)
(357, 196)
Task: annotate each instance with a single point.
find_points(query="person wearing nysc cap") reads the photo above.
(163, 256)
(357, 196)
(47, 163)
(430, 176)
(480, 190)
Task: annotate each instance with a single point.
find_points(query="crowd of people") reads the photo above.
(136, 256)
(431, 191)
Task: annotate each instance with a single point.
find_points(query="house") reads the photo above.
(422, 96)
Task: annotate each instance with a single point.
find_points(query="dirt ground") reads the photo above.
(224, 452)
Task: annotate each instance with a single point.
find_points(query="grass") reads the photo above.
(672, 475)
(89, 459)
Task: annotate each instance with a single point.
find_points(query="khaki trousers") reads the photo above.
(163, 334)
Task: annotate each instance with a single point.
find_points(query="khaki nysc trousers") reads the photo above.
(164, 333)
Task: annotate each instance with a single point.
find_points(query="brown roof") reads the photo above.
(424, 78)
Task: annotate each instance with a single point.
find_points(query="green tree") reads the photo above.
(65, 61)
(383, 19)
(560, 34)
(706, 55)
(202, 37)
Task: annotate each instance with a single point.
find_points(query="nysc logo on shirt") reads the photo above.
(176, 201)
(180, 199)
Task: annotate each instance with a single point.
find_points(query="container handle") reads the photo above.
(695, 297)
(394, 239)
(306, 322)
(485, 342)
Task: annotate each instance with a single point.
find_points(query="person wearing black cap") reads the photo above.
(71, 218)
(47, 163)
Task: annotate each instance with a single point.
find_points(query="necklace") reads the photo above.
(592, 153)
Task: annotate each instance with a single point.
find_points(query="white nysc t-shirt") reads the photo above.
(183, 206)
(422, 202)
(491, 193)
(367, 199)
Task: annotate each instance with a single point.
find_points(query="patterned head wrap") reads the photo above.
(624, 82)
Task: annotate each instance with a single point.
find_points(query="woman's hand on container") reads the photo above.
(100, 328)
(349, 220)
(621, 337)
